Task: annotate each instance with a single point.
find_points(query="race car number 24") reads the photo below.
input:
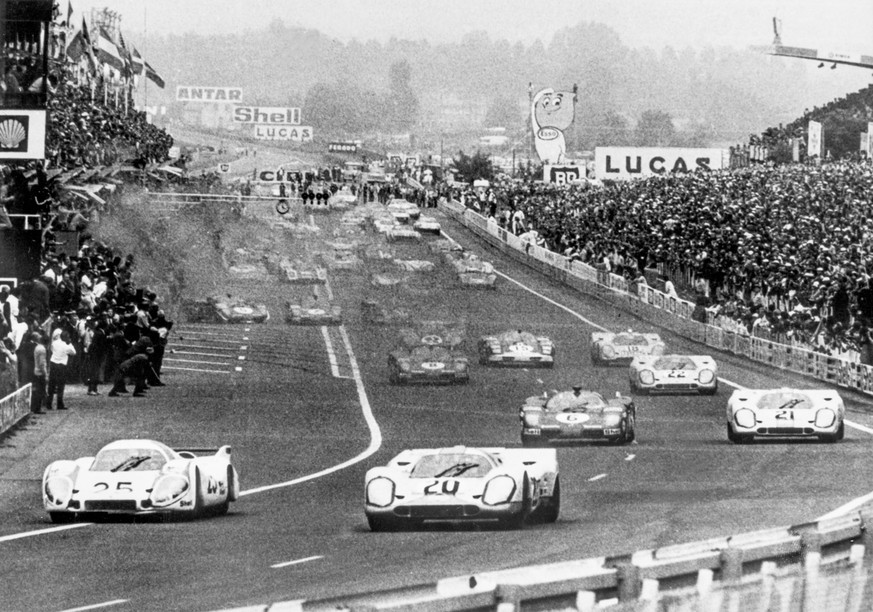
(449, 487)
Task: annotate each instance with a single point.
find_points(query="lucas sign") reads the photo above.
(621, 163)
(296, 133)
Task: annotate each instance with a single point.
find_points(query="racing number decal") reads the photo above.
(676, 374)
(785, 415)
(120, 486)
(450, 487)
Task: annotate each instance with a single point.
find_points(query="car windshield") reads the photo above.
(629, 340)
(451, 465)
(128, 460)
(570, 402)
(675, 363)
(785, 400)
(430, 353)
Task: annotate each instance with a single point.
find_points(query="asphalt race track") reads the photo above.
(295, 401)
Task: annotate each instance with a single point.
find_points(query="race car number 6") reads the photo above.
(450, 487)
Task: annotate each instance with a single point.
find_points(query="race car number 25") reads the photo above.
(445, 487)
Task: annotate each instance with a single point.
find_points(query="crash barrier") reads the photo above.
(14, 407)
(168, 203)
(665, 311)
(824, 565)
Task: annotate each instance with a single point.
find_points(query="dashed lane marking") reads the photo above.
(297, 561)
(598, 477)
(105, 604)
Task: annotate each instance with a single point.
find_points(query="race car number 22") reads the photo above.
(449, 487)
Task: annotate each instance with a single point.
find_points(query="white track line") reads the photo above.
(105, 604)
(331, 356)
(196, 370)
(29, 534)
(297, 561)
(375, 432)
(598, 477)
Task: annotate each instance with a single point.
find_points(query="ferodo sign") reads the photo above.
(187, 93)
(637, 162)
(297, 133)
(266, 114)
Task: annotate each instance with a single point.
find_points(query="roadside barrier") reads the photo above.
(14, 407)
(665, 311)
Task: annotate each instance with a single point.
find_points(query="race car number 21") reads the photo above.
(449, 487)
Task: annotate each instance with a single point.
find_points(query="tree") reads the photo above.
(470, 168)
(502, 111)
(655, 129)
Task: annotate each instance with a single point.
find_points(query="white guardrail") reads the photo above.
(824, 565)
(14, 407)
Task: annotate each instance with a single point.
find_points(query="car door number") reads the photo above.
(785, 415)
(449, 487)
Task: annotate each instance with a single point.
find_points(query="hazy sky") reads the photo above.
(838, 24)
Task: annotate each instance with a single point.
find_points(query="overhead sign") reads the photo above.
(342, 147)
(297, 133)
(624, 163)
(188, 93)
(266, 114)
(22, 134)
(561, 175)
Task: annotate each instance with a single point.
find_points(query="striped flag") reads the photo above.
(107, 51)
(153, 76)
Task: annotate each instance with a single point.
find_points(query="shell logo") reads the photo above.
(243, 310)
(433, 365)
(431, 339)
(12, 132)
(317, 312)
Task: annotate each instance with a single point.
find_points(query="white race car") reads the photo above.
(673, 374)
(140, 477)
(342, 199)
(444, 245)
(400, 233)
(620, 348)
(427, 225)
(403, 211)
(505, 486)
(415, 265)
(297, 314)
(516, 347)
(810, 413)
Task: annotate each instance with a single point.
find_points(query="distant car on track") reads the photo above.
(302, 273)
(785, 413)
(429, 353)
(297, 314)
(403, 211)
(342, 199)
(673, 374)
(516, 347)
(620, 348)
(577, 416)
(137, 477)
(226, 309)
(503, 486)
(427, 225)
(444, 245)
(402, 234)
(415, 265)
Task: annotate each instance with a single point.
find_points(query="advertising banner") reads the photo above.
(342, 147)
(622, 163)
(561, 175)
(295, 133)
(813, 145)
(870, 141)
(22, 134)
(190, 93)
(552, 113)
(266, 114)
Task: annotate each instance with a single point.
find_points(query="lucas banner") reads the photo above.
(552, 113)
(624, 163)
(295, 133)
(813, 147)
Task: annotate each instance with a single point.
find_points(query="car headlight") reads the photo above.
(58, 490)
(168, 489)
(611, 420)
(380, 492)
(607, 351)
(531, 418)
(460, 366)
(745, 418)
(704, 377)
(499, 490)
(825, 418)
(647, 377)
(404, 366)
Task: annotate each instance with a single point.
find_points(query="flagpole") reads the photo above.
(145, 80)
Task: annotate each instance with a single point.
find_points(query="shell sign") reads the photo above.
(22, 134)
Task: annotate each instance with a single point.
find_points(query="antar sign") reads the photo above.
(638, 162)
(186, 93)
(266, 114)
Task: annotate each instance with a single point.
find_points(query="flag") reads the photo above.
(81, 45)
(125, 55)
(69, 23)
(108, 52)
(137, 61)
(154, 76)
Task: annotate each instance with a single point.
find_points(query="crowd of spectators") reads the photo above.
(778, 250)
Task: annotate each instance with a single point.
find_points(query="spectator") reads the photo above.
(61, 352)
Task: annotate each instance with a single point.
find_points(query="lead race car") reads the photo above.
(620, 348)
(463, 484)
(138, 477)
(577, 416)
(673, 374)
(516, 347)
(788, 413)
(314, 314)
(429, 353)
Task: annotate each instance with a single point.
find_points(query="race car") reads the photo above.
(404, 234)
(386, 280)
(297, 314)
(577, 416)
(673, 374)
(464, 261)
(226, 309)
(415, 265)
(620, 348)
(444, 245)
(434, 333)
(376, 313)
(427, 225)
(788, 413)
(502, 486)
(428, 363)
(342, 259)
(516, 347)
(342, 199)
(383, 221)
(137, 477)
(487, 280)
(403, 211)
(303, 273)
